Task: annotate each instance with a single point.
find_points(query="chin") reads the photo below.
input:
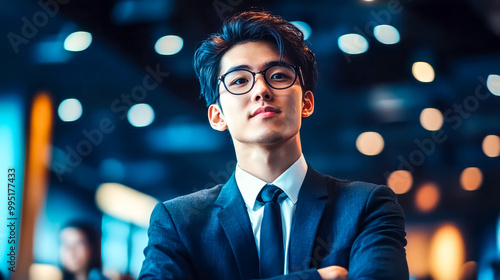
(271, 137)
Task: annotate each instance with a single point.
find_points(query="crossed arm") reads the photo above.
(378, 249)
(167, 258)
(377, 252)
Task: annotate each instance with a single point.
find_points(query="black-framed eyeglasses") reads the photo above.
(241, 81)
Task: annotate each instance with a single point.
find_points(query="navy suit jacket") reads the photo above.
(208, 235)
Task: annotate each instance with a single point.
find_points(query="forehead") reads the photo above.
(72, 234)
(253, 54)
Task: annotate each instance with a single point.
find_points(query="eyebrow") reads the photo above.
(247, 67)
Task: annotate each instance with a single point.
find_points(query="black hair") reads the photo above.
(252, 26)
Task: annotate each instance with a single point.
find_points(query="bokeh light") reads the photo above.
(423, 72)
(169, 45)
(431, 119)
(112, 169)
(370, 143)
(417, 251)
(304, 27)
(70, 110)
(116, 199)
(491, 145)
(471, 178)
(353, 43)
(41, 271)
(400, 181)
(447, 253)
(78, 41)
(141, 115)
(427, 197)
(493, 84)
(386, 34)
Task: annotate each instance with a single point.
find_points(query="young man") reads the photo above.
(276, 217)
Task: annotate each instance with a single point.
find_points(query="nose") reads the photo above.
(261, 90)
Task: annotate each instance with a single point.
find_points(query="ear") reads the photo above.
(216, 118)
(307, 104)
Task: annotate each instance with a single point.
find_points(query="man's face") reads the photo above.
(281, 110)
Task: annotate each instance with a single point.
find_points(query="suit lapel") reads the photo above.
(235, 222)
(308, 213)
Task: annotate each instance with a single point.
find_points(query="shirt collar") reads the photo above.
(289, 181)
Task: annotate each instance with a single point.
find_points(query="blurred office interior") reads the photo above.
(100, 118)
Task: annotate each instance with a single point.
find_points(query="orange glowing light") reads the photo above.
(431, 119)
(447, 253)
(491, 146)
(417, 251)
(471, 178)
(427, 197)
(370, 143)
(36, 177)
(400, 181)
(423, 72)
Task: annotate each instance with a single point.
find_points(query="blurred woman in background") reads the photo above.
(80, 252)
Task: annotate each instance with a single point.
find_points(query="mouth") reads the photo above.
(266, 111)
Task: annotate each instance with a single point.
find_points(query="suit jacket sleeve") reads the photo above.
(378, 251)
(166, 256)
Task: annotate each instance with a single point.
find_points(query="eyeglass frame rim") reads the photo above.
(294, 67)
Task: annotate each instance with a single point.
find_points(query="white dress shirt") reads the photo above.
(290, 182)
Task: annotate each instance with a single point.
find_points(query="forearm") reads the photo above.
(378, 251)
(309, 274)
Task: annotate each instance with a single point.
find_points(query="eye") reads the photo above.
(238, 78)
(278, 76)
(239, 81)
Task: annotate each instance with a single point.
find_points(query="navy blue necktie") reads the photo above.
(272, 254)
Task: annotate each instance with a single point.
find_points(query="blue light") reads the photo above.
(135, 11)
(70, 110)
(169, 45)
(50, 51)
(386, 34)
(115, 235)
(180, 137)
(304, 27)
(139, 242)
(353, 43)
(493, 84)
(112, 170)
(141, 115)
(78, 41)
(498, 236)
(12, 139)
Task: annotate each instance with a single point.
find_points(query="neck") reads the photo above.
(267, 162)
(81, 275)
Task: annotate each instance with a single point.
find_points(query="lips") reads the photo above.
(266, 111)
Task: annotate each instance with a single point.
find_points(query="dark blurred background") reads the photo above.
(424, 76)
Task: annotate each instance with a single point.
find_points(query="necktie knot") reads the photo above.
(269, 193)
